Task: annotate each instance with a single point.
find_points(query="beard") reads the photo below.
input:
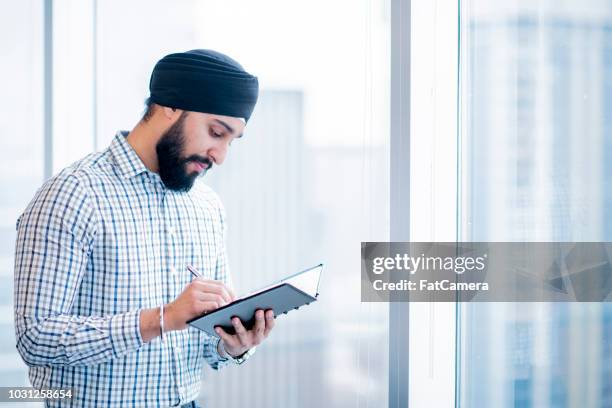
(172, 165)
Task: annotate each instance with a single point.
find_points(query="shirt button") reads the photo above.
(173, 270)
(171, 230)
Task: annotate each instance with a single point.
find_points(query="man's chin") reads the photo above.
(184, 185)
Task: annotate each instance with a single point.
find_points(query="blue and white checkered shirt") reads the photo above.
(98, 243)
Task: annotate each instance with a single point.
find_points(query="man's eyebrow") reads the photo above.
(228, 127)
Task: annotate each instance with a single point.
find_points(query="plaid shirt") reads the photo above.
(98, 243)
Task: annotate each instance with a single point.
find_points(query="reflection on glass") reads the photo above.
(536, 141)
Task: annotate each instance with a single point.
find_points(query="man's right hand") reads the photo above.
(198, 297)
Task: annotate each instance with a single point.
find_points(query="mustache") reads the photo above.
(205, 161)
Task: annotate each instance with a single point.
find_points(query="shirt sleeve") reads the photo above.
(55, 235)
(222, 273)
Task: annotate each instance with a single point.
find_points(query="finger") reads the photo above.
(211, 297)
(241, 332)
(207, 306)
(231, 293)
(260, 326)
(269, 322)
(213, 287)
(211, 281)
(227, 338)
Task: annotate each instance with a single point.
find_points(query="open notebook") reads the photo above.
(288, 294)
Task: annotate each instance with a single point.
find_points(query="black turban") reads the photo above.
(204, 81)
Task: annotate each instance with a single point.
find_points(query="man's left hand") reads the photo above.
(237, 344)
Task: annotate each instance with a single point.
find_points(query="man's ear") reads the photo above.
(171, 113)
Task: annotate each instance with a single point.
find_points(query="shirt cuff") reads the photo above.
(125, 332)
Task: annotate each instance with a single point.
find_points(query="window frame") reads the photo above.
(424, 66)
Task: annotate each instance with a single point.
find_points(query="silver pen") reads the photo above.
(194, 271)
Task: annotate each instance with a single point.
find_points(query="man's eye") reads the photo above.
(215, 134)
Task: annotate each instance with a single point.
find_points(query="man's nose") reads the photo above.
(219, 153)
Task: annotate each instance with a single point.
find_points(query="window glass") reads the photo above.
(536, 159)
(22, 146)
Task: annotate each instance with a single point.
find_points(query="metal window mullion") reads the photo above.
(48, 89)
(399, 192)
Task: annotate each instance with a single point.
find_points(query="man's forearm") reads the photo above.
(150, 322)
(150, 328)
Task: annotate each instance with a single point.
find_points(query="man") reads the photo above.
(102, 294)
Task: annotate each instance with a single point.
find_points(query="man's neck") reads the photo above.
(143, 139)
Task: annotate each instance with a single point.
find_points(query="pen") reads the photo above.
(194, 271)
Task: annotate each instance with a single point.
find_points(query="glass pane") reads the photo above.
(22, 164)
(536, 80)
(307, 183)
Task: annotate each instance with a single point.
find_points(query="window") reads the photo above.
(535, 164)
(22, 143)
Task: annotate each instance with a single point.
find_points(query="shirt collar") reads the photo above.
(125, 157)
